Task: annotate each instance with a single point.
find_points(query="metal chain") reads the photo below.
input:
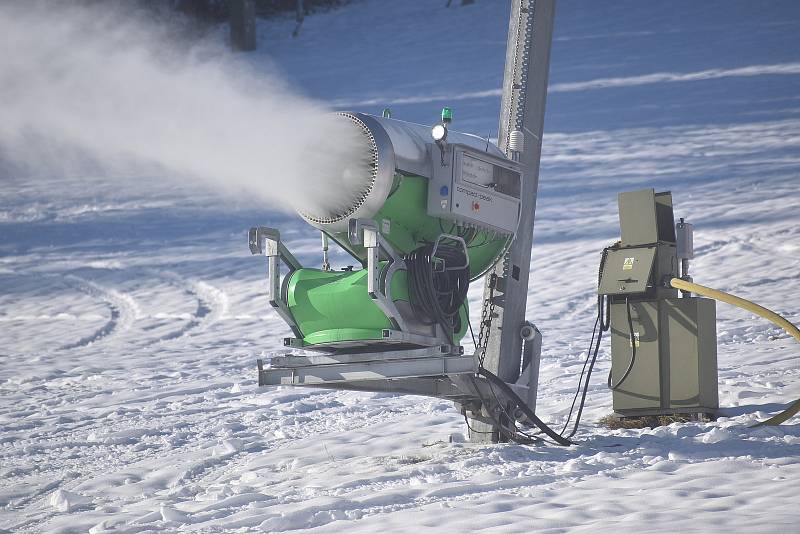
(486, 321)
(487, 315)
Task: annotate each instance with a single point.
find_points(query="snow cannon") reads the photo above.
(431, 210)
(424, 211)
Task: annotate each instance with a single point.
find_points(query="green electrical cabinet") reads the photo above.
(674, 368)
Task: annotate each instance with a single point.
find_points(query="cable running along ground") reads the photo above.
(511, 394)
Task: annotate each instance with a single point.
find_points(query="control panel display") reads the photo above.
(478, 172)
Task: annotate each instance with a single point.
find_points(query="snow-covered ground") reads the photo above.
(131, 317)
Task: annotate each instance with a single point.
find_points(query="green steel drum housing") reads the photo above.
(406, 225)
(334, 307)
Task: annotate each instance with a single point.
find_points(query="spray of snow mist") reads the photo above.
(105, 82)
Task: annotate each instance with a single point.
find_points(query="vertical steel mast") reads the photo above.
(522, 110)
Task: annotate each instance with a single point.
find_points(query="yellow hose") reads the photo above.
(770, 315)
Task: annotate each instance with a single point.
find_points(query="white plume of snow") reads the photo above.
(109, 84)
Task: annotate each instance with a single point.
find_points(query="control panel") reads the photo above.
(474, 188)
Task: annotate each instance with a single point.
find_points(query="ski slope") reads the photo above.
(131, 317)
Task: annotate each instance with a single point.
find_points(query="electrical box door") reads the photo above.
(642, 388)
(692, 348)
(675, 369)
(626, 271)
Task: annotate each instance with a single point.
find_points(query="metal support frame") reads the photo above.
(398, 336)
(531, 358)
(267, 241)
(440, 387)
(328, 369)
(438, 372)
(365, 232)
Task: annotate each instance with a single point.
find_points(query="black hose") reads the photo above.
(603, 320)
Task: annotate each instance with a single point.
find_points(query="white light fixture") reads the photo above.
(439, 132)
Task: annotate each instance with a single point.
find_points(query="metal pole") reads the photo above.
(299, 17)
(524, 93)
(243, 24)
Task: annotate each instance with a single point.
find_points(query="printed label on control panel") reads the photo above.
(474, 194)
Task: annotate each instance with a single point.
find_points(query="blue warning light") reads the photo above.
(444, 191)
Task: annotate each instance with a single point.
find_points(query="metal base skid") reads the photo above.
(341, 368)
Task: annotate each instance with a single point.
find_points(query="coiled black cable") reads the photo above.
(436, 291)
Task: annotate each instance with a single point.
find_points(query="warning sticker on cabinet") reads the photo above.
(628, 264)
(634, 340)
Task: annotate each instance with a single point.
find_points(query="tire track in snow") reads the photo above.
(123, 307)
(127, 455)
(195, 470)
(209, 471)
(212, 305)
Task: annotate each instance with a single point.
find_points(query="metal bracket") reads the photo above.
(364, 232)
(267, 241)
(416, 339)
(457, 239)
(531, 358)
(488, 399)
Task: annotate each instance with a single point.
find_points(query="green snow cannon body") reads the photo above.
(431, 216)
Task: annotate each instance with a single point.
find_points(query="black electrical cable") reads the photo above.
(484, 234)
(633, 351)
(441, 227)
(583, 372)
(437, 294)
(603, 320)
(512, 435)
(476, 431)
(510, 393)
(604, 312)
(469, 323)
